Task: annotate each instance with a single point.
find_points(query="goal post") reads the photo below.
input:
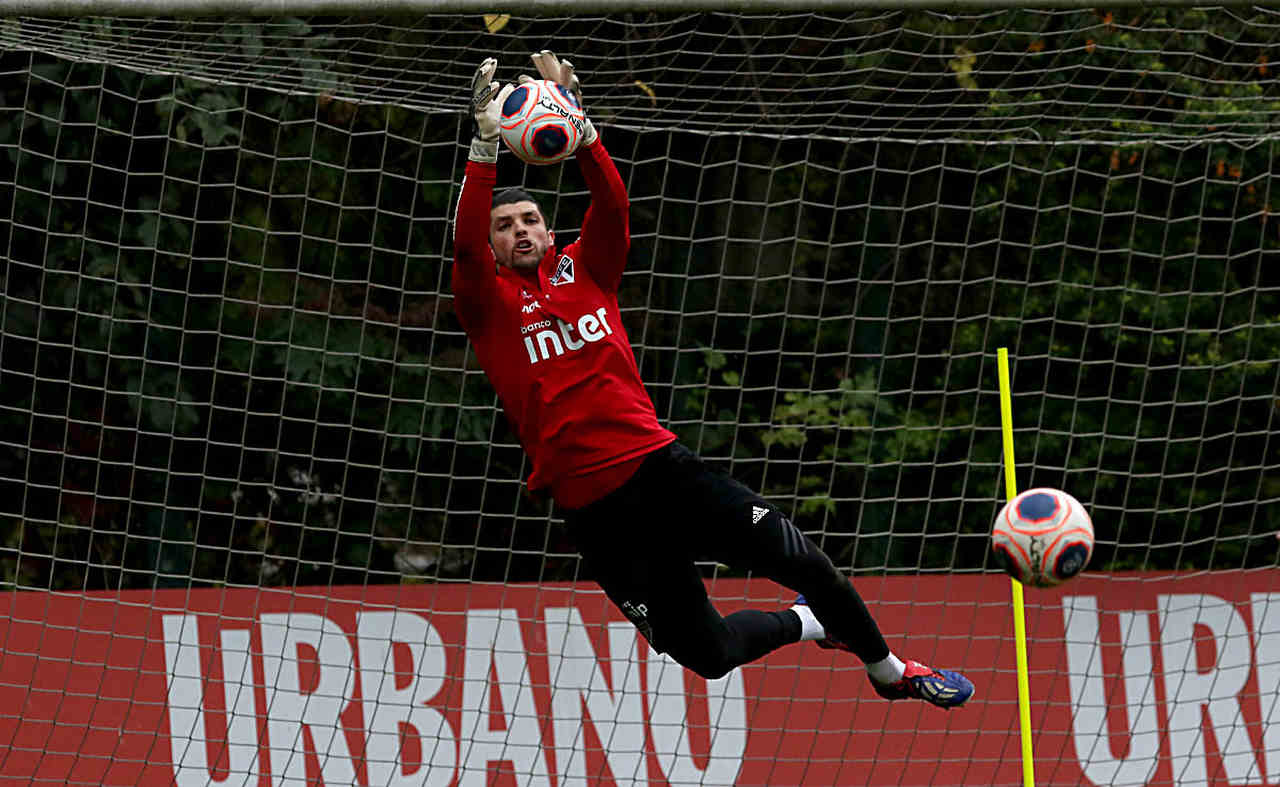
(213, 8)
(248, 460)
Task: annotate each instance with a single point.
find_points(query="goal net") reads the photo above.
(262, 520)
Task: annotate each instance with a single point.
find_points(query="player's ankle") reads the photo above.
(810, 628)
(890, 669)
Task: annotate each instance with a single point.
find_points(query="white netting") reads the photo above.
(229, 358)
(1034, 75)
(214, 288)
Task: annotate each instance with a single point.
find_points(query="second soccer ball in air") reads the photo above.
(541, 122)
(1043, 537)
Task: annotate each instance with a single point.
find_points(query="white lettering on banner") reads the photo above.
(291, 708)
(408, 742)
(495, 646)
(1090, 699)
(1265, 610)
(238, 691)
(546, 343)
(668, 722)
(1189, 687)
(188, 738)
(614, 705)
(387, 706)
(403, 666)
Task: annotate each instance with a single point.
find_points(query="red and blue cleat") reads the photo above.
(940, 687)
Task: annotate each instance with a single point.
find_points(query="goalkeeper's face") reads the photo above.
(519, 235)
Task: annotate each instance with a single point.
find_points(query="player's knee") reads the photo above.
(710, 660)
(710, 668)
(714, 672)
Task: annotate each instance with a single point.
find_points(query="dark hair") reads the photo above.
(513, 195)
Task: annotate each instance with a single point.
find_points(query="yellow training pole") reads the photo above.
(1019, 620)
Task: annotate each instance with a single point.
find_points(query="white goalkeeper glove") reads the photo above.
(561, 72)
(486, 109)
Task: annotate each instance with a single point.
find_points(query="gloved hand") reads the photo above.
(561, 72)
(486, 109)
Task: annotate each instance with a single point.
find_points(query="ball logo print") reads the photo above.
(541, 122)
(1043, 537)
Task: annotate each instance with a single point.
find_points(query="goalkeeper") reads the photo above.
(641, 508)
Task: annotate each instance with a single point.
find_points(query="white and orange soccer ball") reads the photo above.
(541, 122)
(1043, 537)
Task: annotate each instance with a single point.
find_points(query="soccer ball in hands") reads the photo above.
(1043, 537)
(541, 122)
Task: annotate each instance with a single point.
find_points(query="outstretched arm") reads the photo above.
(606, 231)
(473, 261)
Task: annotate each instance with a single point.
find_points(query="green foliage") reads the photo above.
(229, 354)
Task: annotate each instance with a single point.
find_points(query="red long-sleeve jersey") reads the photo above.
(553, 345)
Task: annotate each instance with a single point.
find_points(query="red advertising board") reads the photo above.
(1135, 679)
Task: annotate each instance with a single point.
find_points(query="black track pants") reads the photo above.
(640, 543)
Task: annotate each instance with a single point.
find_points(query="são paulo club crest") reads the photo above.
(564, 271)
